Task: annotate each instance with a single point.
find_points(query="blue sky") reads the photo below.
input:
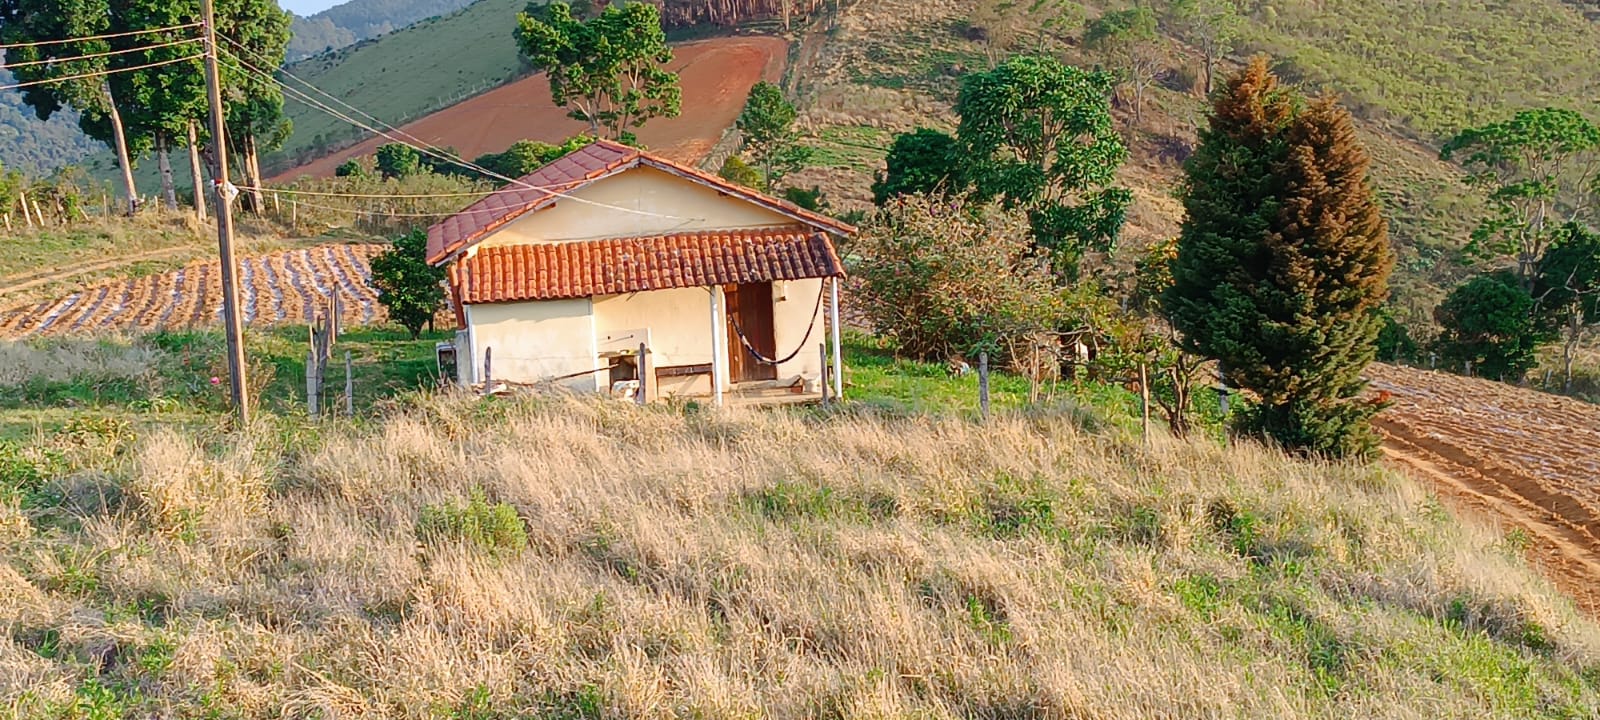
(308, 7)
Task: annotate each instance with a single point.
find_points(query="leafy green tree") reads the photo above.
(767, 122)
(255, 117)
(922, 161)
(1038, 134)
(1539, 171)
(1211, 27)
(944, 276)
(1568, 289)
(1130, 40)
(739, 172)
(410, 288)
(1489, 321)
(351, 168)
(70, 72)
(398, 161)
(607, 71)
(526, 156)
(812, 199)
(1394, 340)
(1283, 263)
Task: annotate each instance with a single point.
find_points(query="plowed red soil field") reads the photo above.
(715, 75)
(278, 288)
(1528, 459)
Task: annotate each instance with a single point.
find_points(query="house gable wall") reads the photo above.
(677, 205)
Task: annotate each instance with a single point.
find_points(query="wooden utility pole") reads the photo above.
(232, 325)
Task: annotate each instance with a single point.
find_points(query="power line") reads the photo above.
(378, 197)
(100, 73)
(10, 65)
(425, 147)
(98, 37)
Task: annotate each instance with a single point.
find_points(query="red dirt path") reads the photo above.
(1526, 458)
(715, 76)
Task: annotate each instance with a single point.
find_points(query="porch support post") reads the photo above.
(838, 353)
(716, 347)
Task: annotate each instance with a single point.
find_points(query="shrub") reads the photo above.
(739, 172)
(1489, 322)
(941, 276)
(494, 527)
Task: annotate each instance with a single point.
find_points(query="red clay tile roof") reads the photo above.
(575, 170)
(624, 265)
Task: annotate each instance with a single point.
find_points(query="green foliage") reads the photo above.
(606, 70)
(767, 122)
(1129, 39)
(1534, 167)
(1038, 134)
(1489, 322)
(811, 199)
(944, 276)
(410, 288)
(922, 161)
(495, 528)
(739, 172)
(526, 156)
(1283, 262)
(395, 160)
(1211, 27)
(1395, 343)
(351, 168)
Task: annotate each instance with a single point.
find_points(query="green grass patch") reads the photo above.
(494, 527)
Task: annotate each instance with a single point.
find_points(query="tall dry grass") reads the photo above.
(755, 565)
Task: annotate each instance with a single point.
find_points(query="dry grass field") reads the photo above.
(564, 559)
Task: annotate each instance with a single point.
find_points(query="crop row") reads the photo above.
(292, 286)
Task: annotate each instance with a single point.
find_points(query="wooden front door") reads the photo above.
(750, 311)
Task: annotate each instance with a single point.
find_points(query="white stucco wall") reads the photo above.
(679, 322)
(686, 205)
(535, 341)
(791, 317)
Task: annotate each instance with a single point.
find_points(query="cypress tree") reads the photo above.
(1283, 263)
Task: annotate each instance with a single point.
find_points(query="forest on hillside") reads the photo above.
(37, 147)
(358, 20)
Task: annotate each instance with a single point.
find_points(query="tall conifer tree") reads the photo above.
(1283, 263)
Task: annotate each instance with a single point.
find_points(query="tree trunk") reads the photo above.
(252, 160)
(121, 142)
(1570, 350)
(194, 172)
(1210, 69)
(169, 191)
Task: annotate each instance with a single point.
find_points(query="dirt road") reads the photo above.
(715, 76)
(1525, 458)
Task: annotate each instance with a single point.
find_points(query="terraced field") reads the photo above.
(1528, 459)
(283, 287)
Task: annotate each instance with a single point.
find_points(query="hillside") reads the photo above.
(715, 76)
(35, 147)
(404, 75)
(358, 20)
(776, 564)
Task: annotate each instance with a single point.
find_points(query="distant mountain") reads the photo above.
(358, 20)
(38, 147)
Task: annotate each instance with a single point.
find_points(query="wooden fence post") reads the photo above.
(488, 375)
(311, 383)
(1144, 400)
(983, 384)
(349, 388)
(639, 367)
(822, 348)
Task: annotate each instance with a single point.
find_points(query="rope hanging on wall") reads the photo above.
(764, 360)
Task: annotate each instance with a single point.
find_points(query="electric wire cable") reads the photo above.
(130, 33)
(47, 61)
(82, 76)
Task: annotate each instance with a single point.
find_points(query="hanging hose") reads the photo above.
(764, 360)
